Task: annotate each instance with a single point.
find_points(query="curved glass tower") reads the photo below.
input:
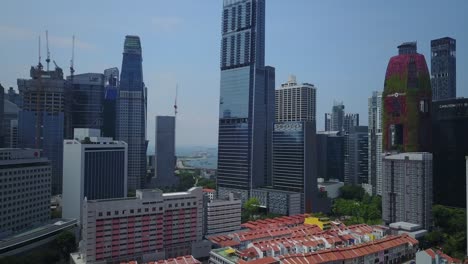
(131, 111)
(406, 102)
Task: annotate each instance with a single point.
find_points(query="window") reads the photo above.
(108, 213)
(139, 210)
(146, 209)
(100, 213)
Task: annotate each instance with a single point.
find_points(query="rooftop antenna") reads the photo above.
(48, 52)
(39, 65)
(72, 70)
(175, 101)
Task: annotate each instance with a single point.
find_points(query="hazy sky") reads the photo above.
(342, 47)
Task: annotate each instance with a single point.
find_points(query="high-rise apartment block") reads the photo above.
(407, 188)
(41, 121)
(86, 98)
(93, 167)
(443, 68)
(356, 156)
(131, 111)
(165, 152)
(407, 97)
(25, 184)
(295, 102)
(246, 107)
(450, 146)
(375, 142)
(109, 104)
(148, 227)
(223, 215)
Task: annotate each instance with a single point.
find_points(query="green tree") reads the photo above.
(207, 183)
(250, 207)
(66, 244)
(352, 192)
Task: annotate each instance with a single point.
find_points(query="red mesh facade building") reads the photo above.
(406, 102)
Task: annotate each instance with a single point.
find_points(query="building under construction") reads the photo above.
(41, 121)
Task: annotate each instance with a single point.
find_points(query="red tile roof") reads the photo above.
(209, 190)
(266, 260)
(179, 260)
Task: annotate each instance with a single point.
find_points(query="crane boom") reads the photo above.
(47, 46)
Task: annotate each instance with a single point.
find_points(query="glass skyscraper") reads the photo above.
(131, 111)
(443, 68)
(246, 110)
(109, 104)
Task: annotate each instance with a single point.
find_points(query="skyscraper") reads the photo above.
(443, 68)
(350, 121)
(42, 117)
(295, 102)
(87, 94)
(407, 188)
(336, 117)
(449, 127)
(245, 99)
(327, 122)
(94, 167)
(406, 118)
(165, 151)
(10, 124)
(2, 112)
(109, 104)
(356, 156)
(330, 155)
(375, 142)
(131, 111)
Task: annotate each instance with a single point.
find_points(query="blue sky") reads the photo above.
(342, 47)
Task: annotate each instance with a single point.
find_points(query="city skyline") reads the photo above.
(346, 66)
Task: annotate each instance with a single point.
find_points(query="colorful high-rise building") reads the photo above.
(131, 111)
(407, 100)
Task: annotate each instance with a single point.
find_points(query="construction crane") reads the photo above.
(39, 95)
(72, 70)
(47, 46)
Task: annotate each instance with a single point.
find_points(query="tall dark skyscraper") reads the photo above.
(334, 121)
(350, 121)
(165, 151)
(87, 92)
(443, 68)
(407, 97)
(41, 121)
(449, 127)
(2, 113)
(356, 156)
(245, 99)
(330, 155)
(131, 111)
(109, 104)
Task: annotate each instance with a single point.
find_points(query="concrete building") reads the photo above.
(247, 98)
(356, 156)
(407, 188)
(94, 167)
(375, 142)
(327, 122)
(431, 256)
(350, 121)
(413, 230)
(295, 101)
(41, 123)
(279, 201)
(330, 158)
(223, 215)
(332, 187)
(189, 259)
(444, 68)
(165, 152)
(131, 111)
(151, 226)
(13, 96)
(25, 185)
(87, 96)
(210, 194)
(337, 117)
(10, 124)
(294, 165)
(449, 126)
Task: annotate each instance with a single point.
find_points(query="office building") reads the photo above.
(41, 121)
(407, 97)
(165, 152)
(151, 226)
(13, 96)
(246, 109)
(350, 121)
(330, 155)
(295, 102)
(375, 143)
(407, 188)
(327, 122)
(10, 124)
(94, 167)
(280, 202)
(87, 95)
(109, 104)
(444, 68)
(223, 215)
(449, 127)
(337, 117)
(2, 113)
(131, 111)
(294, 163)
(356, 156)
(25, 184)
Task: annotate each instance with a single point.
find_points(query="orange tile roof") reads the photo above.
(179, 260)
(209, 190)
(265, 260)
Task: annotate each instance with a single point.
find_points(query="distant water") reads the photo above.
(196, 156)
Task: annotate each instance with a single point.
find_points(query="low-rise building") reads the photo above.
(151, 226)
(25, 187)
(210, 193)
(413, 230)
(331, 187)
(430, 256)
(223, 215)
(178, 260)
(322, 222)
(279, 201)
